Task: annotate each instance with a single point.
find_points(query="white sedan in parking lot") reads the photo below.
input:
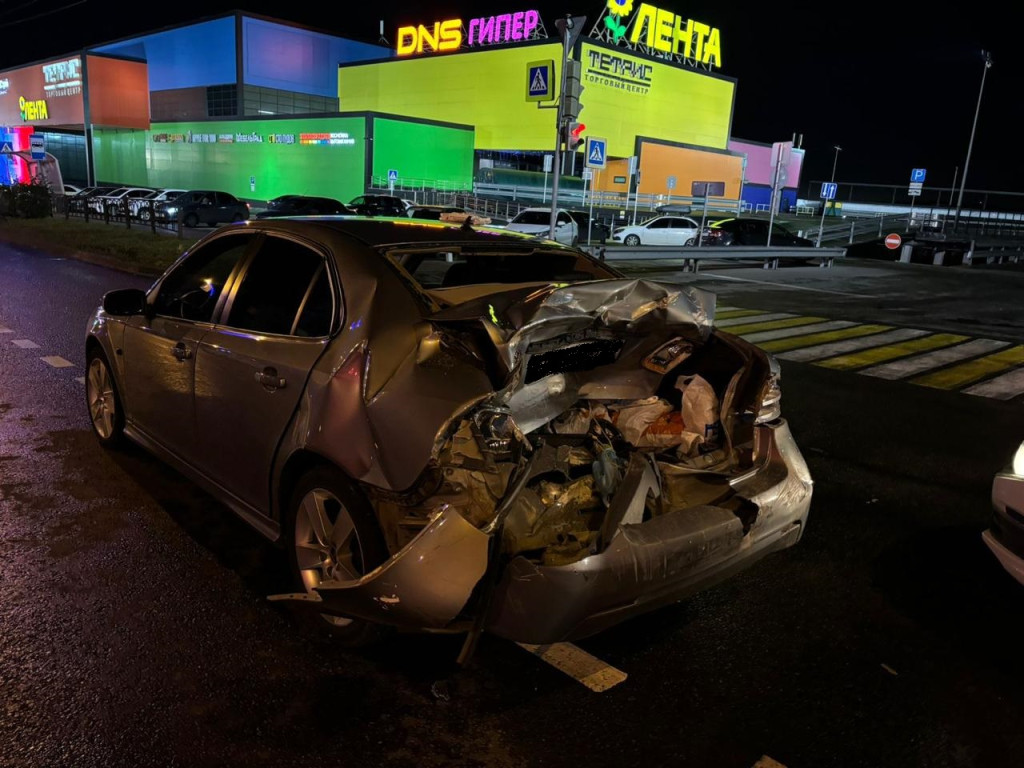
(661, 230)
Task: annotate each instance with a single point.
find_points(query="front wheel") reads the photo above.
(691, 242)
(191, 221)
(333, 535)
(103, 401)
(633, 240)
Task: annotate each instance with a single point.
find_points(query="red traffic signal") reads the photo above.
(575, 135)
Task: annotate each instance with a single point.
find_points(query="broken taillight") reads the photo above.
(770, 407)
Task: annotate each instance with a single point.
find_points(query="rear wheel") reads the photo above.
(103, 400)
(191, 220)
(632, 240)
(690, 243)
(333, 535)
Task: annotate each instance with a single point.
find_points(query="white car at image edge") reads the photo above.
(661, 230)
(537, 221)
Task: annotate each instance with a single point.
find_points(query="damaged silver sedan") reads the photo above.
(454, 429)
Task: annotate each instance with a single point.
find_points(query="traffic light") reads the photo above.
(573, 89)
(574, 135)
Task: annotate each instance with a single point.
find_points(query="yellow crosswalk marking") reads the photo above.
(966, 373)
(798, 342)
(772, 325)
(876, 355)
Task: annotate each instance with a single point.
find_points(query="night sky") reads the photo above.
(895, 85)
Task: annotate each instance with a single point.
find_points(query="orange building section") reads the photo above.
(659, 161)
(118, 92)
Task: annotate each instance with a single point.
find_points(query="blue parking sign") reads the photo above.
(917, 175)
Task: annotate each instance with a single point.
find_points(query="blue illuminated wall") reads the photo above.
(297, 60)
(186, 57)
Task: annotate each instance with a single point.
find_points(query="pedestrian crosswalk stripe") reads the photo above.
(724, 314)
(877, 355)
(821, 351)
(911, 366)
(967, 373)
(789, 322)
(782, 345)
(785, 333)
(1003, 387)
(733, 321)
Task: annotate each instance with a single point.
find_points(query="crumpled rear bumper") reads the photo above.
(659, 561)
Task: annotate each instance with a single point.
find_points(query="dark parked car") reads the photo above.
(203, 206)
(599, 231)
(303, 205)
(755, 232)
(454, 429)
(378, 205)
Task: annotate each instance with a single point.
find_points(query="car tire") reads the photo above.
(632, 240)
(144, 214)
(191, 221)
(575, 241)
(690, 243)
(326, 499)
(103, 400)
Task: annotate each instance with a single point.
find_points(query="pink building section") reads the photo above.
(759, 168)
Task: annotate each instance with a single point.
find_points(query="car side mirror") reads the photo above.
(125, 302)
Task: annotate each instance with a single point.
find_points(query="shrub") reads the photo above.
(28, 201)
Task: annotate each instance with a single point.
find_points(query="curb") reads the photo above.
(98, 259)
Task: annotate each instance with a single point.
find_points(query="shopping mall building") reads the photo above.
(261, 107)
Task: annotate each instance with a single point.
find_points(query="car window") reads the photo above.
(317, 308)
(223, 198)
(275, 285)
(563, 219)
(533, 217)
(660, 224)
(192, 289)
(358, 200)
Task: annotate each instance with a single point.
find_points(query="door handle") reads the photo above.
(181, 352)
(268, 378)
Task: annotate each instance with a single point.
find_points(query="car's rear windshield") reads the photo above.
(439, 267)
(533, 217)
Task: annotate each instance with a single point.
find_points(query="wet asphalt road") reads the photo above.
(134, 629)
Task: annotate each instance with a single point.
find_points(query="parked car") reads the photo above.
(440, 423)
(755, 232)
(78, 203)
(303, 205)
(1005, 536)
(597, 230)
(146, 207)
(661, 230)
(378, 205)
(203, 206)
(117, 198)
(537, 221)
(71, 189)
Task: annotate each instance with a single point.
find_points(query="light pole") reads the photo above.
(970, 144)
(824, 204)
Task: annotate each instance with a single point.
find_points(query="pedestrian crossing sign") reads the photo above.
(539, 80)
(6, 148)
(597, 153)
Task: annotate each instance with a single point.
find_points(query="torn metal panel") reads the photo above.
(425, 585)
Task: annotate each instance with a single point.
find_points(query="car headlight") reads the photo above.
(1018, 461)
(171, 211)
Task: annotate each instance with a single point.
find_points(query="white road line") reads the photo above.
(25, 344)
(720, 308)
(834, 348)
(751, 319)
(578, 664)
(901, 369)
(81, 380)
(1005, 387)
(799, 330)
(57, 362)
(784, 285)
(5, 329)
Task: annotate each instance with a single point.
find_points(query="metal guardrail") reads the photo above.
(690, 257)
(116, 212)
(853, 228)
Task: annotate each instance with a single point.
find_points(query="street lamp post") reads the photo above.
(970, 144)
(824, 203)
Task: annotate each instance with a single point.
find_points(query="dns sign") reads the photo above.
(442, 36)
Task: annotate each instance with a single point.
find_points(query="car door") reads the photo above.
(252, 368)
(226, 208)
(565, 228)
(160, 347)
(658, 232)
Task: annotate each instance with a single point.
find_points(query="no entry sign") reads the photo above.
(892, 242)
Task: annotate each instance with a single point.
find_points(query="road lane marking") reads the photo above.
(5, 329)
(878, 355)
(772, 325)
(721, 313)
(808, 354)
(1004, 387)
(578, 664)
(784, 345)
(81, 380)
(961, 375)
(25, 344)
(901, 369)
(785, 333)
(728, 322)
(57, 362)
